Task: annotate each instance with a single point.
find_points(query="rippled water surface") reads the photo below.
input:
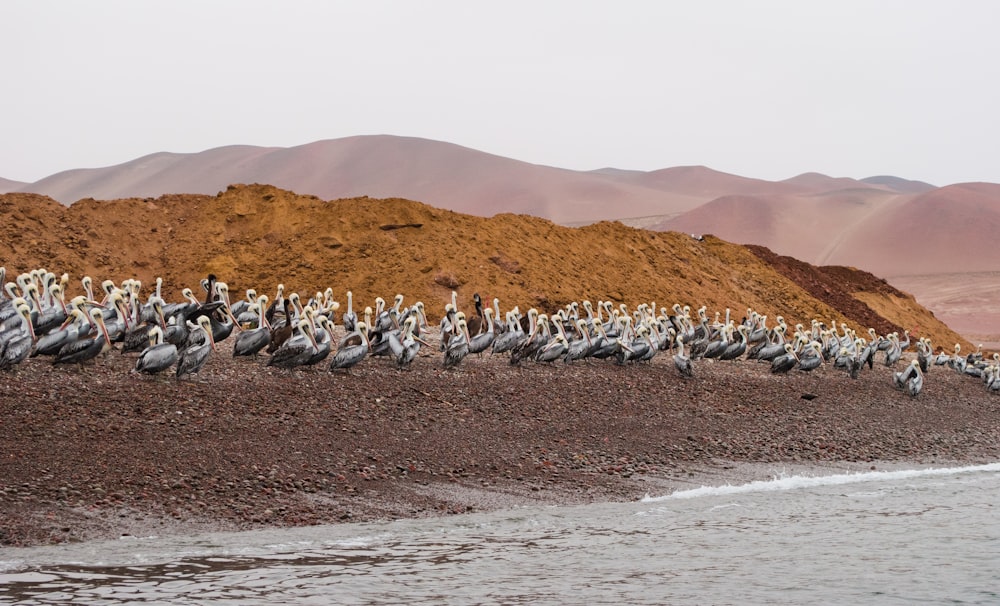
(928, 536)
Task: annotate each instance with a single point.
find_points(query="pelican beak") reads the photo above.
(31, 330)
(104, 329)
(122, 307)
(419, 340)
(211, 338)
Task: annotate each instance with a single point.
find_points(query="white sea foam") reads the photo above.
(798, 481)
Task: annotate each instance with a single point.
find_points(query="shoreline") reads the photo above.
(97, 453)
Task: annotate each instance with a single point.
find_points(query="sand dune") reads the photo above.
(441, 174)
(7, 185)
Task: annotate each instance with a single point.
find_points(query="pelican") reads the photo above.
(458, 346)
(814, 360)
(916, 383)
(251, 341)
(901, 379)
(244, 304)
(957, 361)
(50, 344)
(537, 338)
(298, 350)
(553, 350)
(137, 339)
(735, 350)
(480, 342)
(350, 354)
(682, 362)
(577, 349)
(277, 305)
(476, 321)
(894, 352)
(405, 346)
(284, 332)
(506, 340)
(323, 335)
(447, 325)
(782, 364)
(88, 348)
(924, 353)
(193, 358)
(714, 349)
(16, 348)
(350, 318)
(159, 356)
(385, 319)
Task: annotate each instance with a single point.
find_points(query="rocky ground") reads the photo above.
(98, 452)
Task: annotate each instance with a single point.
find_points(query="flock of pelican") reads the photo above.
(37, 320)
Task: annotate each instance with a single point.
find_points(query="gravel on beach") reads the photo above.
(95, 451)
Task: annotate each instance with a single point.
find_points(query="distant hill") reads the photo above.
(904, 186)
(7, 185)
(442, 174)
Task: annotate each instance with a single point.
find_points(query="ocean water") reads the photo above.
(922, 536)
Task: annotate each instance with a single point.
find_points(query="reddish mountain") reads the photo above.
(952, 229)
(442, 174)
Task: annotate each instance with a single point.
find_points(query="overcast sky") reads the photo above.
(760, 89)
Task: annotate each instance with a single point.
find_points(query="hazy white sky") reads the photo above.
(762, 89)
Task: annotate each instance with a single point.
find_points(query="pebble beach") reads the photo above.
(95, 451)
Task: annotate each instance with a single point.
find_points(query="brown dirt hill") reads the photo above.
(258, 235)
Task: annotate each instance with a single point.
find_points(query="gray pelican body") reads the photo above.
(682, 362)
(813, 361)
(482, 341)
(17, 348)
(137, 339)
(714, 349)
(87, 348)
(324, 341)
(894, 352)
(537, 338)
(916, 383)
(900, 379)
(509, 338)
(296, 351)
(75, 324)
(578, 349)
(194, 356)
(553, 350)
(250, 342)
(406, 346)
(350, 318)
(782, 364)
(159, 356)
(737, 349)
(458, 347)
(924, 354)
(243, 305)
(350, 354)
